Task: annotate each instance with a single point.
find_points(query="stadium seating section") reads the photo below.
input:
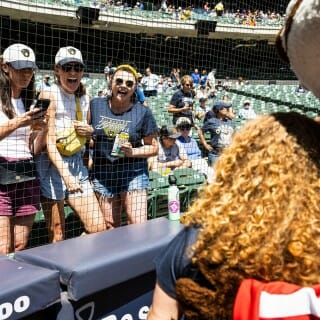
(197, 13)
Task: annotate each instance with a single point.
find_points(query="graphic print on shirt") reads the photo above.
(225, 135)
(112, 127)
(187, 101)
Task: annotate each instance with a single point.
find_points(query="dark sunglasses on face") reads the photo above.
(75, 67)
(128, 83)
(184, 127)
(188, 85)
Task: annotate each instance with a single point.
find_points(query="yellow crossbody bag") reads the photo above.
(68, 142)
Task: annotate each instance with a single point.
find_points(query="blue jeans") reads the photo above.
(212, 158)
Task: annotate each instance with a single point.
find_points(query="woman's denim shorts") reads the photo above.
(112, 179)
(52, 185)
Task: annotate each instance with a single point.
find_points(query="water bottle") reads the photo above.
(173, 199)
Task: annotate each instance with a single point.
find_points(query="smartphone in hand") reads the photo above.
(42, 105)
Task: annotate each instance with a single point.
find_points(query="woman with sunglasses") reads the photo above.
(65, 177)
(19, 190)
(124, 137)
(181, 103)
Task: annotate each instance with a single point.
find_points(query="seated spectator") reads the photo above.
(201, 109)
(169, 86)
(259, 220)
(212, 94)
(202, 92)
(186, 14)
(251, 21)
(219, 86)
(227, 83)
(300, 90)
(192, 149)
(139, 5)
(163, 6)
(206, 8)
(247, 112)
(219, 9)
(171, 155)
(239, 83)
(230, 114)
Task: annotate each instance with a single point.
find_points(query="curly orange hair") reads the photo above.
(261, 217)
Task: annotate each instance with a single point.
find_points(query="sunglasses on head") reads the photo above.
(77, 67)
(128, 83)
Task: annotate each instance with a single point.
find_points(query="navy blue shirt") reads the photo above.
(137, 121)
(173, 263)
(221, 131)
(181, 99)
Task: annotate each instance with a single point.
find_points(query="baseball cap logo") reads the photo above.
(72, 51)
(25, 53)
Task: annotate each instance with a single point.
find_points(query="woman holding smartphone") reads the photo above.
(19, 188)
(65, 177)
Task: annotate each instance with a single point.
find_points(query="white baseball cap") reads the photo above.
(68, 54)
(20, 56)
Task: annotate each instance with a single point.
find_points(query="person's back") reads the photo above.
(240, 228)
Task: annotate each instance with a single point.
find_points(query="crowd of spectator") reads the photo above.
(117, 129)
(202, 117)
(218, 10)
(123, 139)
(201, 126)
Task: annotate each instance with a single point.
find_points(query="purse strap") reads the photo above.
(78, 109)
